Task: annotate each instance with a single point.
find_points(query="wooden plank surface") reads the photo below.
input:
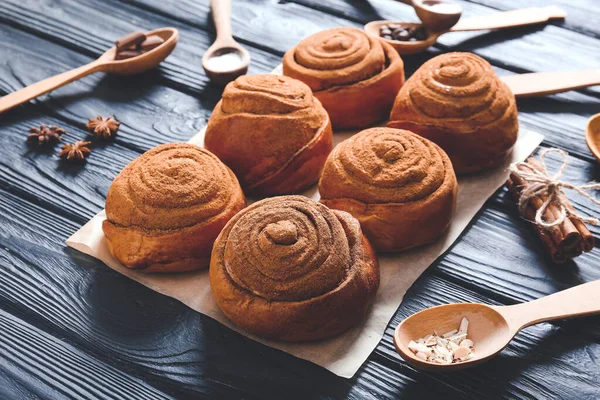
(148, 345)
(171, 343)
(36, 365)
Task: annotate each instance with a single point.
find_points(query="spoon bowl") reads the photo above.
(592, 135)
(437, 15)
(144, 61)
(488, 329)
(491, 328)
(225, 62)
(408, 47)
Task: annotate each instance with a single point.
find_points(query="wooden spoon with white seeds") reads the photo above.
(491, 328)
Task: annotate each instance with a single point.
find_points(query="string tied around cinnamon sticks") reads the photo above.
(542, 202)
(541, 183)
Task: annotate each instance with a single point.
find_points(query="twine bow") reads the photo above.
(542, 184)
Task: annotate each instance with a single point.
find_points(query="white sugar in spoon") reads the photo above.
(225, 59)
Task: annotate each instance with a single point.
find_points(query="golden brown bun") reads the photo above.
(166, 208)
(272, 132)
(288, 268)
(457, 101)
(400, 186)
(355, 76)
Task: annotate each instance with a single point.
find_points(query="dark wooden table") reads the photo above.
(72, 328)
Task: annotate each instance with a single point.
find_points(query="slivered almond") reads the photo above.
(452, 347)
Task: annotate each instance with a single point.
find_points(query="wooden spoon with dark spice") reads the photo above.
(107, 62)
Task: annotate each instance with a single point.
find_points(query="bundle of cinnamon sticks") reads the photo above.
(564, 241)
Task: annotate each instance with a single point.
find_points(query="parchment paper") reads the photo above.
(344, 354)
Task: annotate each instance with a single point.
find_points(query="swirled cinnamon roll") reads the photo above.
(272, 132)
(457, 101)
(288, 268)
(354, 75)
(400, 186)
(167, 207)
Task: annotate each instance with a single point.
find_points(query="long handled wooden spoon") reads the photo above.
(507, 19)
(543, 83)
(225, 59)
(105, 63)
(491, 328)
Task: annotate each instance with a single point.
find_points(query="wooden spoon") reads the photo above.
(105, 63)
(507, 19)
(592, 135)
(225, 59)
(437, 15)
(491, 328)
(543, 83)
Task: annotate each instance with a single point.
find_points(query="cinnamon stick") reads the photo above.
(556, 255)
(565, 235)
(565, 241)
(587, 239)
(570, 233)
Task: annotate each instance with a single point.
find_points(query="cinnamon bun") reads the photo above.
(272, 132)
(457, 101)
(288, 268)
(167, 207)
(400, 186)
(355, 76)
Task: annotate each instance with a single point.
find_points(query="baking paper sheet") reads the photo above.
(344, 354)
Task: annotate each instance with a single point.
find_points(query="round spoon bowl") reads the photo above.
(223, 74)
(145, 61)
(592, 135)
(408, 47)
(488, 330)
(437, 15)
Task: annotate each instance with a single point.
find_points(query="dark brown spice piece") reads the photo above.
(126, 54)
(77, 151)
(45, 135)
(130, 40)
(104, 128)
(403, 33)
(151, 42)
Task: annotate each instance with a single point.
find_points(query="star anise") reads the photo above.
(75, 152)
(104, 128)
(45, 135)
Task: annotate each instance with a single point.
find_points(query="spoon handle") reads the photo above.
(37, 89)
(509, 19)
(221, 13)
(577, 301)
(543, 83)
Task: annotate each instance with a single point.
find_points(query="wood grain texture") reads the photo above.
(542, 381)
(155, 340)
(579, 18)
(78, 299)
(80, 191)
(99, 24)
(567, 112)
(526, 49)
(164, 114)
(37, 365)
